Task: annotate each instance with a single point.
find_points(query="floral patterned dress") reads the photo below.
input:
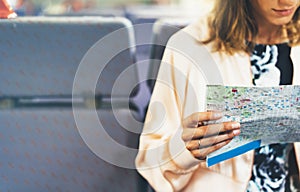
(274, 168)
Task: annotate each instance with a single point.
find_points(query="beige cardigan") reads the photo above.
(180, 91)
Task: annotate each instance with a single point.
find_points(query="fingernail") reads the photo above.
(236, 132)
(235, 125)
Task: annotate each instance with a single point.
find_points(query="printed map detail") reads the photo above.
(266, 114)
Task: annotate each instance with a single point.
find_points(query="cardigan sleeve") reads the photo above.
(163, 158)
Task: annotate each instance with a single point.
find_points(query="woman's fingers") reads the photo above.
(193, 120)
(202, 153)
(209, 130)
(210, 141)
(201, 139)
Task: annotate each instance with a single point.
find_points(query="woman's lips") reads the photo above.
(283, 12)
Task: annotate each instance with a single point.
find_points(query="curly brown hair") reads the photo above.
(232, 23)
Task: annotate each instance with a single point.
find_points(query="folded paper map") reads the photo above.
(267, 115)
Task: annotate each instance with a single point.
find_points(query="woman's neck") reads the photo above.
(270, 35)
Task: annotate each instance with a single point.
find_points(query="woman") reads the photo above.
(253, 42)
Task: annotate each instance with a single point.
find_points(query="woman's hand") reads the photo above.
(201, 139)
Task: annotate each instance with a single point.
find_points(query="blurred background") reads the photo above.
(40, 7)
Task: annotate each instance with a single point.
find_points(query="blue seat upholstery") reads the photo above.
(40, 55)
(41, 143)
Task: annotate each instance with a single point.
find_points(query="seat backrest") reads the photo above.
(40, 55)
(163, 29)
(147, 16)
(45, 147)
